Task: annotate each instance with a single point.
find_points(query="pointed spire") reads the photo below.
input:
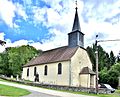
(76, 24)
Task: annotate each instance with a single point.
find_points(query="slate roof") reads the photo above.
(76, 24)
(55, 55)
(87, 70)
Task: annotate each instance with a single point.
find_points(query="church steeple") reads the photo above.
(76, 24)
(76, 37)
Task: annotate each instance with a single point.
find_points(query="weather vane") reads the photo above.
(76, 4)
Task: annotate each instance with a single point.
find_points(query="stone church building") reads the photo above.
(68, 65)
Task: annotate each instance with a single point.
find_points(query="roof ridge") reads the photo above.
(55, 48)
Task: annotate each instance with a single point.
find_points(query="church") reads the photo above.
(66, 66)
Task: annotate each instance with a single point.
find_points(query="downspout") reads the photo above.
(70, 73)
(87, 80)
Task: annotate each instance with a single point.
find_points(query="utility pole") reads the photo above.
(96, 52)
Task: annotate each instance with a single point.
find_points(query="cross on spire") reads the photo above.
(76, 3)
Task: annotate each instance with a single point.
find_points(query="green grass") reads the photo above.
(108, 95)
(118, 91)
(12, 91)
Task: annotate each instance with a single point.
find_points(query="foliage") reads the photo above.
(12, 60)
(113, 78)
(118, 57)
(112, 58)
(104, 59)
(103, 76)
(12, 91)
(108, 70)
(110, 76)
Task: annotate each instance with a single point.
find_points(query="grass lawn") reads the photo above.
(12, 91)
(109, 95)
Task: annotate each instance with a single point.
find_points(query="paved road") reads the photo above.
(40, 92)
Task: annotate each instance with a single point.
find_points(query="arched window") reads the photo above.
(59, 68)
(28, 72)
(35, 71)
(45, 70)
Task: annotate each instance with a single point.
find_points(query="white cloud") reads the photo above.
(2, 35)
(21, 11)
(59, 40)
(38, 15)
(95, 13)
(7, 10)
(16, 43)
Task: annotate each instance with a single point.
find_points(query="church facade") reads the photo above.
(68, 65)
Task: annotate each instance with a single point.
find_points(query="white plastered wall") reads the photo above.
(52, 76)
(78, 62)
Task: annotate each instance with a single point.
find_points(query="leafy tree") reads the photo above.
(108, 70)
(3, 63)
(12, 60)
(118, 57)
(116, 67)
(103, 57)
(103, 76)
(113, 77)
(110, 76)
(107, 61)
(112, 58)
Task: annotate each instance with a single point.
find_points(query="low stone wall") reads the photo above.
(57, 87)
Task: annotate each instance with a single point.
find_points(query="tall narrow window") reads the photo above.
(59, 68)
(28, 72)
(35, 71)
(45, 70)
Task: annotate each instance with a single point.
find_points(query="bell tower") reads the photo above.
(76, 37)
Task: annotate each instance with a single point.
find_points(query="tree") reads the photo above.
(112, 58)
(103, 57)
(110, 76)
(118, 57)
(103, 76)
(108, 70)
(113, 77)
(116, 67)
(14, 58)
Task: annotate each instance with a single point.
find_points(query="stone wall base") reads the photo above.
(57, 87)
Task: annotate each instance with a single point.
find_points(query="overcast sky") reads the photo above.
(45, 24)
